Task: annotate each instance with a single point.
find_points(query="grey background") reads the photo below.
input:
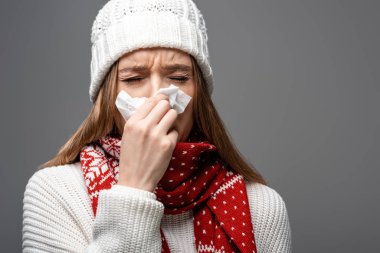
(297, 84)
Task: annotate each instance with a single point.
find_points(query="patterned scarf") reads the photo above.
(197, 179)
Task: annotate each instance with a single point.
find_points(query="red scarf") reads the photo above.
(197, 179)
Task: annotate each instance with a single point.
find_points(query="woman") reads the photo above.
(161, 180)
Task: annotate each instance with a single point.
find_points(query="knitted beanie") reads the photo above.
(122, 26)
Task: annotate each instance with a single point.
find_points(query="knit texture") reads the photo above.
(196, 179)
(58, 217)
(122, 26)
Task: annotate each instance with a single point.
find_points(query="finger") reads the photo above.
(143, 110)
(156, 114)
(167, 121)
(173, 136)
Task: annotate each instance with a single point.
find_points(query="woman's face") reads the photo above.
(143, 72)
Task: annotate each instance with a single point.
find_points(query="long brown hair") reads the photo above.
(104, 118)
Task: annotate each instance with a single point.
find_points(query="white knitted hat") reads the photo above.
(122, 26)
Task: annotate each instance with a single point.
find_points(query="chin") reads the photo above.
(183, 131)
(180, 139)
(182, 136)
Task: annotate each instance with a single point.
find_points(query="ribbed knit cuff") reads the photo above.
(133, 191)
(128, 220)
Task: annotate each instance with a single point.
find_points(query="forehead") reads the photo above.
(147, 55)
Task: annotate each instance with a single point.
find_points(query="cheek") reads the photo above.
(187, 115)
(189, 90)
(120, 86)
(184, 122)
(184, 119)
(188, 111)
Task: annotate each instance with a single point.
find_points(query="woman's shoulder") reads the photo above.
(60, 181)
(57, 209)
(53, 174)
(269, 217)
(265, 200)
(58, 189)
(264, 193)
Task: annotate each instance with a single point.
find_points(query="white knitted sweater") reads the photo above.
(58, 217)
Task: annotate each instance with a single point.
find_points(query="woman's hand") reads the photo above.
(147, 144)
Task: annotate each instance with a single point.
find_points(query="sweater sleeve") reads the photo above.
(127, 220)
(270, 219)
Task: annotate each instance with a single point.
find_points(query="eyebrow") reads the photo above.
(166, 68)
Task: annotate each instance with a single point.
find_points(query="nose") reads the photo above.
(157, 84)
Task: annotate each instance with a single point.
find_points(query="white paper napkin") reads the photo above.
(127, 105)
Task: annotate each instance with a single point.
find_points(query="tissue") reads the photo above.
(127, 105)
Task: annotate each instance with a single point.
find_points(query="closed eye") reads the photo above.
(134, 79)
(180, 79)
